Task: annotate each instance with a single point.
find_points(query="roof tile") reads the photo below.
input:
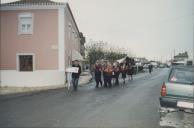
(34, 2)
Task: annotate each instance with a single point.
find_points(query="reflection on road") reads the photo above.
(176, 119)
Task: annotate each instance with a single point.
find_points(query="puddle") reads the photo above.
(176, 119)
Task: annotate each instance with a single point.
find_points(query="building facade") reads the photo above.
(37, 40)
(181, 57)
(82, 44)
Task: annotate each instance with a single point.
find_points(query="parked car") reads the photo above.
(189, 62)
(154, 64)
(178, 91)
(161, 66)
(137, 68)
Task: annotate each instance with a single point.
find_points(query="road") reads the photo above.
(134, 105)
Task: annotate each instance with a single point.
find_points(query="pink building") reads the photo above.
(38, 38)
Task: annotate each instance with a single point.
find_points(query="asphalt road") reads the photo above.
(134, 105)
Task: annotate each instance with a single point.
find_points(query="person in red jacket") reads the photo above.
(109, 71)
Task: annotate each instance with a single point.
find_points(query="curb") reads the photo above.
(22, 90)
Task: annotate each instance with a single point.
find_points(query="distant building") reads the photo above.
(38, 38)
(141, 60)
(181, 57)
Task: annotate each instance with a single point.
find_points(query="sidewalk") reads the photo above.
(84, 79)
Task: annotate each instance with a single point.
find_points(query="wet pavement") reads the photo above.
(134, 105)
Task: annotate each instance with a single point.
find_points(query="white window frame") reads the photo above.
(26, 14)
(25, 54)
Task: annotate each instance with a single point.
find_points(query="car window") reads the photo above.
(182, 76)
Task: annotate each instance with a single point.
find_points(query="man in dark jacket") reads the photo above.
(75, 76)
(150, 68)
(98, 75)
(117, 73)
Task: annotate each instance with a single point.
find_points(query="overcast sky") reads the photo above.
(149, 28)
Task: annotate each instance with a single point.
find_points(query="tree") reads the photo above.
(100, 50)
(94, 53)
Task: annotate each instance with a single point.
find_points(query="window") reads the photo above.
(25, 62)
(183, 76)
(25, 23)
(69, 25)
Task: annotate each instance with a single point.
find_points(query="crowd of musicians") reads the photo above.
(107, 75)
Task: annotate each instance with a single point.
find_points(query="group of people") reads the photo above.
(107, 75)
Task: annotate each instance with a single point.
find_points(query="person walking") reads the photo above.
(75, 76)
(123, 72)
(117, 73)
(150, 68)
(113, 75)
(109, 71)
(104, 68)
(98, 72)
(130, 72)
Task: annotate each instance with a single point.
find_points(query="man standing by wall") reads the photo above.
(75, 76)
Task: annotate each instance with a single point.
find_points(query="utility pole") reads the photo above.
(174, 53)
(171, 56)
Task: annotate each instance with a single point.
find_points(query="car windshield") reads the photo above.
(182, 75)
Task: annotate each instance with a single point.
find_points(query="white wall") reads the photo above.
(38, 78)
(61, 38)
(71, 41)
